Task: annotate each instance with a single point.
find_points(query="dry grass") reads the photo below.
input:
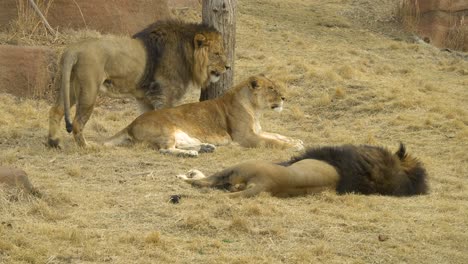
(347, 83)
(408, 14)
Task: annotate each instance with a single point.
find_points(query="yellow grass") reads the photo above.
(349, 80)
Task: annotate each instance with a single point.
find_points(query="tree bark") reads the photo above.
(221, 14)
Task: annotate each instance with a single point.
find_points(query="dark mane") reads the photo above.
(156, 36)
(371, 169)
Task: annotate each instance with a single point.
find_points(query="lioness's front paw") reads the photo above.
(180, 153)
(188, 153)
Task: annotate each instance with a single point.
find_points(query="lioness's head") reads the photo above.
(210, 56)
(265, 93)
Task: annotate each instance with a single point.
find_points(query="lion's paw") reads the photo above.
(192, 174)
(189, 153)
(180, 153)
(53, 143)
(207, 148)
(195, 174)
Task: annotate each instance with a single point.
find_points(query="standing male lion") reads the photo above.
(156, 66)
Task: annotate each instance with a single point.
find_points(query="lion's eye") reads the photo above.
(271, 88)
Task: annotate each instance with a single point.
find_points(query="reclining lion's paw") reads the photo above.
(195, 174)
(192, 174)
(207, 148)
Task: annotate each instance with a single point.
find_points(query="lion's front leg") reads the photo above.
(144, 105)
(263, 139)
(164, 92)
(197, 178)
(297, 144)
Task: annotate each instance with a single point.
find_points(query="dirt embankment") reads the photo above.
(442, 23)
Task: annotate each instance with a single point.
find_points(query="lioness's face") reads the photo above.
(217, 62)
(267, 94)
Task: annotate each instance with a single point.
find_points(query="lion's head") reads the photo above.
(210, 56)
(265, 94)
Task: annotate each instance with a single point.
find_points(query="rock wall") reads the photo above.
(443, 23)
(106, 16)
(27, 71)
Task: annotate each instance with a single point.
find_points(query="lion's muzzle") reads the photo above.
(215, 76)
(277, 107)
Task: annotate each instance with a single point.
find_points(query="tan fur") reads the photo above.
(234, 117)
(116, 66)
(253, 177)
(13, 177)
(360, 169)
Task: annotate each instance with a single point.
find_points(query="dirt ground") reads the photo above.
(352, 77)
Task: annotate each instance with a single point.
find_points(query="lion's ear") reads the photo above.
(253, 83)
(199, 40)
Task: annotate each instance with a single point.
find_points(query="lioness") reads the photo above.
(187, 129)
(345, 169)
(156, 67)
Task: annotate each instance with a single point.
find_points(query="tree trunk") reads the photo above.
(221, 14)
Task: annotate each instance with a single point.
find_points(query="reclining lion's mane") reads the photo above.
(371, 169)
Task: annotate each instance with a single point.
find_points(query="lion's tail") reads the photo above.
(69, 60)
(414, 170)
(121, 138)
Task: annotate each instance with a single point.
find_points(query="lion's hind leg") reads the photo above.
(313, 175)
(84, 109)
(250, 190)
(185, 145)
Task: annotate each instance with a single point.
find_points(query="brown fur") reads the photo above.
(156, 67)
(345, 169)
(194, 127)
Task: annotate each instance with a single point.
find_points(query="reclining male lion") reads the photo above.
(156, 67)
(345, 169)
(187, 129)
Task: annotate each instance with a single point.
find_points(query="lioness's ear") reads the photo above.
(199, 40)
(253, 82)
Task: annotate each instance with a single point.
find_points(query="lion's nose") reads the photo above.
(283, 98)
(228, 67)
